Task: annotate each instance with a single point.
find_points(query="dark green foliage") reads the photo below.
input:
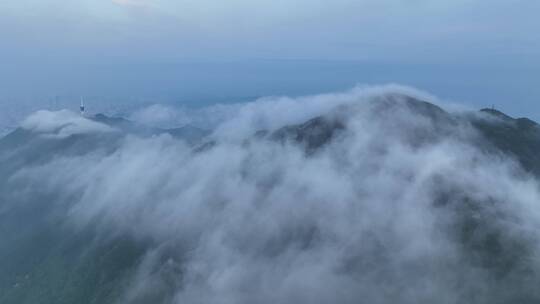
(519, 138)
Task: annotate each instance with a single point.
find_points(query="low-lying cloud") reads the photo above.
(62, 124)
(397, 208)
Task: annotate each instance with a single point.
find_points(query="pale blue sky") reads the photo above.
(467, 50)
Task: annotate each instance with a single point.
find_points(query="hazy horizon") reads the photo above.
(206, 52)
(272, 151)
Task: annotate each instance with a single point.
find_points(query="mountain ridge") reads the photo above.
(61, 265)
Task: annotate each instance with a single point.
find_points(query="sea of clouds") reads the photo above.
(395, 209)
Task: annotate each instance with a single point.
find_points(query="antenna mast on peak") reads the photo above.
(82, 106)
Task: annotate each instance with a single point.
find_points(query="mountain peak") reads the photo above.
(496, 113)
(522, 123)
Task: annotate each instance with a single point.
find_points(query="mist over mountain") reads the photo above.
(374, 195)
